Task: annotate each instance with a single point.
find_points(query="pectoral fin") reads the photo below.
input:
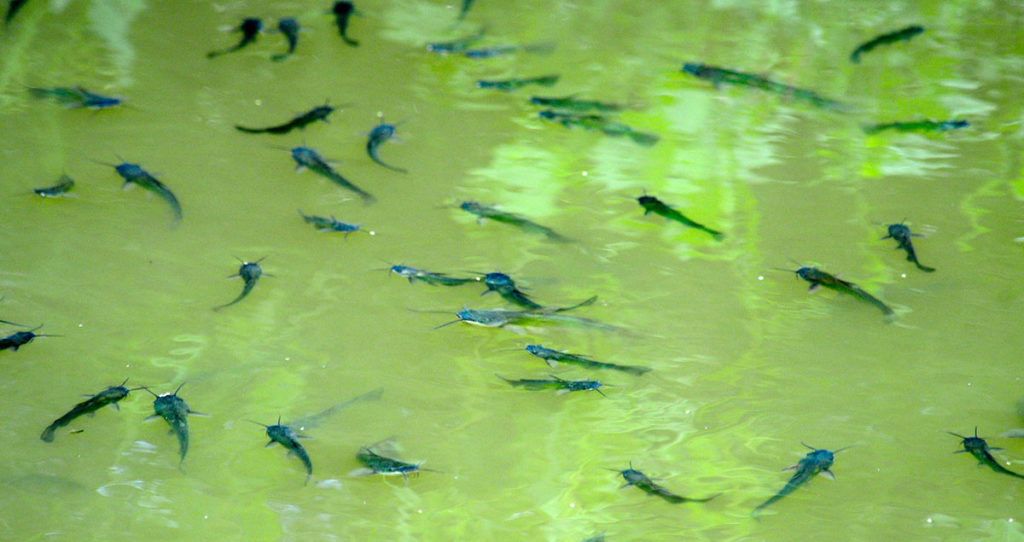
(361, 472)
(828, 474)
(269, 444)
(151, 417)
(792, 467)
(813, 288)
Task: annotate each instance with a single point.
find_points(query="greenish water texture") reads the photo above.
(746, 364)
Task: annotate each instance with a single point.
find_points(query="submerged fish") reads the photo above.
(501, 50)
(571, 103)
(902, 235)
(506, 288)
(319, 112)
(285, 436)
(980, 449)
(819, 278)
(590, 121)
(516, 320)
(249, 272)
(926, 125)
(250, 29)
(375, 463)
(554, 357)
(306, 157)
(134, 174)
(109, 396)
(489, 212)
(892, 37)
(330, 224)
(434, 279)
(342, 11)
(563, 386)
(508, 85)
(175, 412)
(318, 418)
(290, 28)
(818, 461)
(63, 186)
(717, 76)
(641, 481)
(654, 205)
(15, 341)
(76, 97)
(381, 133)
(458, 45)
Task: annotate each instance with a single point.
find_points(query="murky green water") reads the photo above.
(746, 364)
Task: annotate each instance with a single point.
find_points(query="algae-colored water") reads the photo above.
(746, 365)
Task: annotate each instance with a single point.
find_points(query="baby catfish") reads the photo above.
(76, 97)
(134, 174)
(375, 463)
(381, 133)
(63, 186)
(654, 205)
(917, 126)
(342, 11)
(330, 224)
(819, 278)
(563, 386)
(306, 157)
(506, 288)
(489, 212)
(285, 436)
(250, 29)
(175, 412)
(640, 480)
(15, 341)
(816, 462)
(902, 235)
(980, 449)
(554, 357)
(434, 279)
(249, 272)
(508, 85)
(290, 28)
(902, 34)
(109, 396)
(319, 112)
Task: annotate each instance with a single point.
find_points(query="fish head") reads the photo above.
(632, 476)
(898, 231)
(129, 171)
(534, 349)
(498, 280)
(288, 25)
(693, 68)
(548, 114)
(647, 202)
(304, 155)
(321, 111)
(470, 206)
(251, 26)
(250, 271)
(810, 274)
(342, 9)
(820, 459)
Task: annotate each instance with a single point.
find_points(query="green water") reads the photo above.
(746, 364)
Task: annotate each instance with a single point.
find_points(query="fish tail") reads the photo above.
(48, 433)
(249, 130)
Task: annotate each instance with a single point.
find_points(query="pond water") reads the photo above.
(746, 366)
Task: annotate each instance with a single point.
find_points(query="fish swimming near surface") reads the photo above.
(572, 103)
(110, 396)
(489, 212)
(375, 463)
(819, 278)
(289, 439)
(290, 28)
(818, 461)
(554, 357)
(175, 412)
(717, 76)
(249, 272)
(429, 277)
(902, 34)
(654, 205)
(592, 121)
(507, 289)
(458, 45)
(76, 97)
(15, 341)
(63, 186)
(516, 321)
(250, 29)
(330, 224)
(342, 11)
(981, 451)
(502, 50)
(642, 482)
(381, 133)
(926, 125)
(318, 113)
(306, 157)
(563, 386)
(134, 174)
(902, 235)
(508, 85)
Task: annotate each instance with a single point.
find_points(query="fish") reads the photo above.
(980, 449)
(458, 45)
(501, 50)
(12, 9)
(110, 396)
(591, 121)
(466, 4)
(819, 278)
(285, 436)
(134, 174)
(306, 157)
(818, 461)
(902, 235)
(315, 420)
(342, 11)
(642, 482)
(63, 186)
(318, 113)
(330, 224)
(250, 29)
(290, 28)
(515, 320)
(489, 212)
(15, 341)
(250, 272)
(175, 412)
(563, 386)
(76, 97)
(926, 125)
(571, 103)
(378, 464)
(508, 85)
(506, 288)
(717, 76)
(554, 357)
(654, 205)
(381, 133)
(891, 37)
(429, 277)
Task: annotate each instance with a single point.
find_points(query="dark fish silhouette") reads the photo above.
(290, 28)
(375, 463)
(175, 412)
(109, 396)
(250, 272)
(306, 157)
(717, 76)
(63, 186)
(554, 357)
(508, 85)
(434, 279)
(902, 235)
(381, 133)
(285, 436)
(507, 289)
(819, 278)
(134, 174)
(600, 123)
(917, 126)
(892, 37)
(330, 224)
(654, 205)
(319, 112)
(641, 481)
(818, 461)
(563, 386)
(15, 341)
(489, 212)
(76, 97)
(250, 29)
(980, 449)
(342, 11)
(12, 9)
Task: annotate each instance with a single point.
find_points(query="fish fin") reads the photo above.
(303, 436)
(551, 363)
(361, 472)
(995, 449)
(959, 451)
(562, 391)
(117, 408)
(300, 168)
(200, 414)
(827, 474)
(127, 185)
(269, 444)
(813, 288)
(151, 417)
(791, 467)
